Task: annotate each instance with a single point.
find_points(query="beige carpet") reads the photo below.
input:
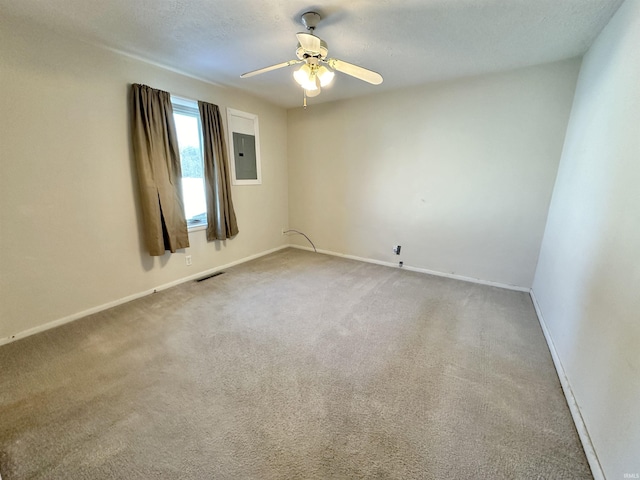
(295, 365)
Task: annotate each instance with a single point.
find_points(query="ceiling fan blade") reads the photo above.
(355, 71)
(309, 42)
(268, 69)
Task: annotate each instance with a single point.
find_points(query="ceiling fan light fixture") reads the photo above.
(325, 76)
(313, 93)
(306, 77)
(302, 74)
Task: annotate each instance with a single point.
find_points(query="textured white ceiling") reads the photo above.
(409, 42)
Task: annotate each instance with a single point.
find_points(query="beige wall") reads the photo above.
(70, 236)
(588, 278)
(460, 173)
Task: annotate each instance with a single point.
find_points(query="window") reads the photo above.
(189, 130)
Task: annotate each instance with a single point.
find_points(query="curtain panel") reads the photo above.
(221, 218)
(157, 157)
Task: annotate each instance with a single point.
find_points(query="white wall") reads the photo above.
(70, 236)
(460, 173)
(588, 278)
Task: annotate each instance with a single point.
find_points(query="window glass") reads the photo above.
(187, 120)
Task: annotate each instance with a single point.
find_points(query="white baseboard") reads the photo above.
(417, 269)
(574, 408)
(120, 301)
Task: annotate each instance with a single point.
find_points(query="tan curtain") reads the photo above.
(221, 219)
(155, 147)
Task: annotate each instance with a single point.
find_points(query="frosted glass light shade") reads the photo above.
(325, 75)
(313, 93)
(305, 77)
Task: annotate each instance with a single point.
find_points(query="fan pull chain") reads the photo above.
(304, 97)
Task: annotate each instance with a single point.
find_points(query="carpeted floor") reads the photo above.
(293, 366)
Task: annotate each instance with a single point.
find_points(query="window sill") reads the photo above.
(196, 228)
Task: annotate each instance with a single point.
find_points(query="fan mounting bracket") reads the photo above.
(310, 20)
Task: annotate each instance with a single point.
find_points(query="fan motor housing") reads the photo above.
(324, 51)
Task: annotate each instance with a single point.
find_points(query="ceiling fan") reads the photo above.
(318, 70)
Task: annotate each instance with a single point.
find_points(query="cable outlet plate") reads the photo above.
(396, 249)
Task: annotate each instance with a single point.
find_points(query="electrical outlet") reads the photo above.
(187, 259)
(396, 249)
